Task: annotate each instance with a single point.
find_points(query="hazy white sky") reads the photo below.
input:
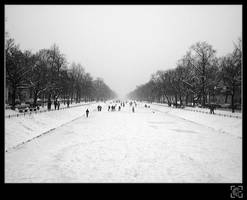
(124, 44)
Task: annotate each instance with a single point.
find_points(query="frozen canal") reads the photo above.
(121, 146)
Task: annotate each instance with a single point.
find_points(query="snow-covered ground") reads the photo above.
(156, 144)
(23, 128)
(225, 125)
(220, 112)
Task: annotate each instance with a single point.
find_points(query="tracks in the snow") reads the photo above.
(193, 122)
(46, 132)
(40, 135)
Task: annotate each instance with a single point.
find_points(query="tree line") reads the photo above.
(48, 75)
(198, 78)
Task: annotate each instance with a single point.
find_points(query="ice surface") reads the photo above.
(157, 144)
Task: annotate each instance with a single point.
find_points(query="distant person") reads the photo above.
(58, 105)
(55, 104)
(67, 103)
(109, 108)
(119, 108)
(133, 109)
(49, 104)
(211, 107)
(87, 112)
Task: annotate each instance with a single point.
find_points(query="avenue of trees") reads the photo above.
(46, 74)
(199, 78)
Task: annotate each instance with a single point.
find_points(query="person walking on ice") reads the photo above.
(55, 104)
(67, 103)
(133, 109)
(87, 111)
(211, 107)
(58, 104)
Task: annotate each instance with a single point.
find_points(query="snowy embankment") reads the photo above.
(224, 125)
(220, 112)
(13, 113)
(23, 128)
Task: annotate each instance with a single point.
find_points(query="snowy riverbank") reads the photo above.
(225, 125)
(23, 128)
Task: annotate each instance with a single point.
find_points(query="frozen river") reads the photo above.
(146, 146)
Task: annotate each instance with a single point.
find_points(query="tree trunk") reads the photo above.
(186, 99)
(203, 83)
(203, 95)
(233, 93)
(180, 99)
(226, 97)
(168, 100)
(214, 98)
(49, 102)
(13, 96)
(176, 100)
(43, 103)
(35, 96)
(193, 100)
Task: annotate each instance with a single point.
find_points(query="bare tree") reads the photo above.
(201, 56)
(230, 68)
(17, 68)
(56, 62)
(39, 74)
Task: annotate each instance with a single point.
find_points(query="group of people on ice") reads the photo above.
(134, 105)
(56, 104)
(113, 108)
(99, 107)
(118, 105)
(146, 106)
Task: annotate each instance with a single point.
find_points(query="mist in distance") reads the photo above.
(124, 44)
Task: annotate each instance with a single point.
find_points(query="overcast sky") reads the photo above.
(124, 44)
